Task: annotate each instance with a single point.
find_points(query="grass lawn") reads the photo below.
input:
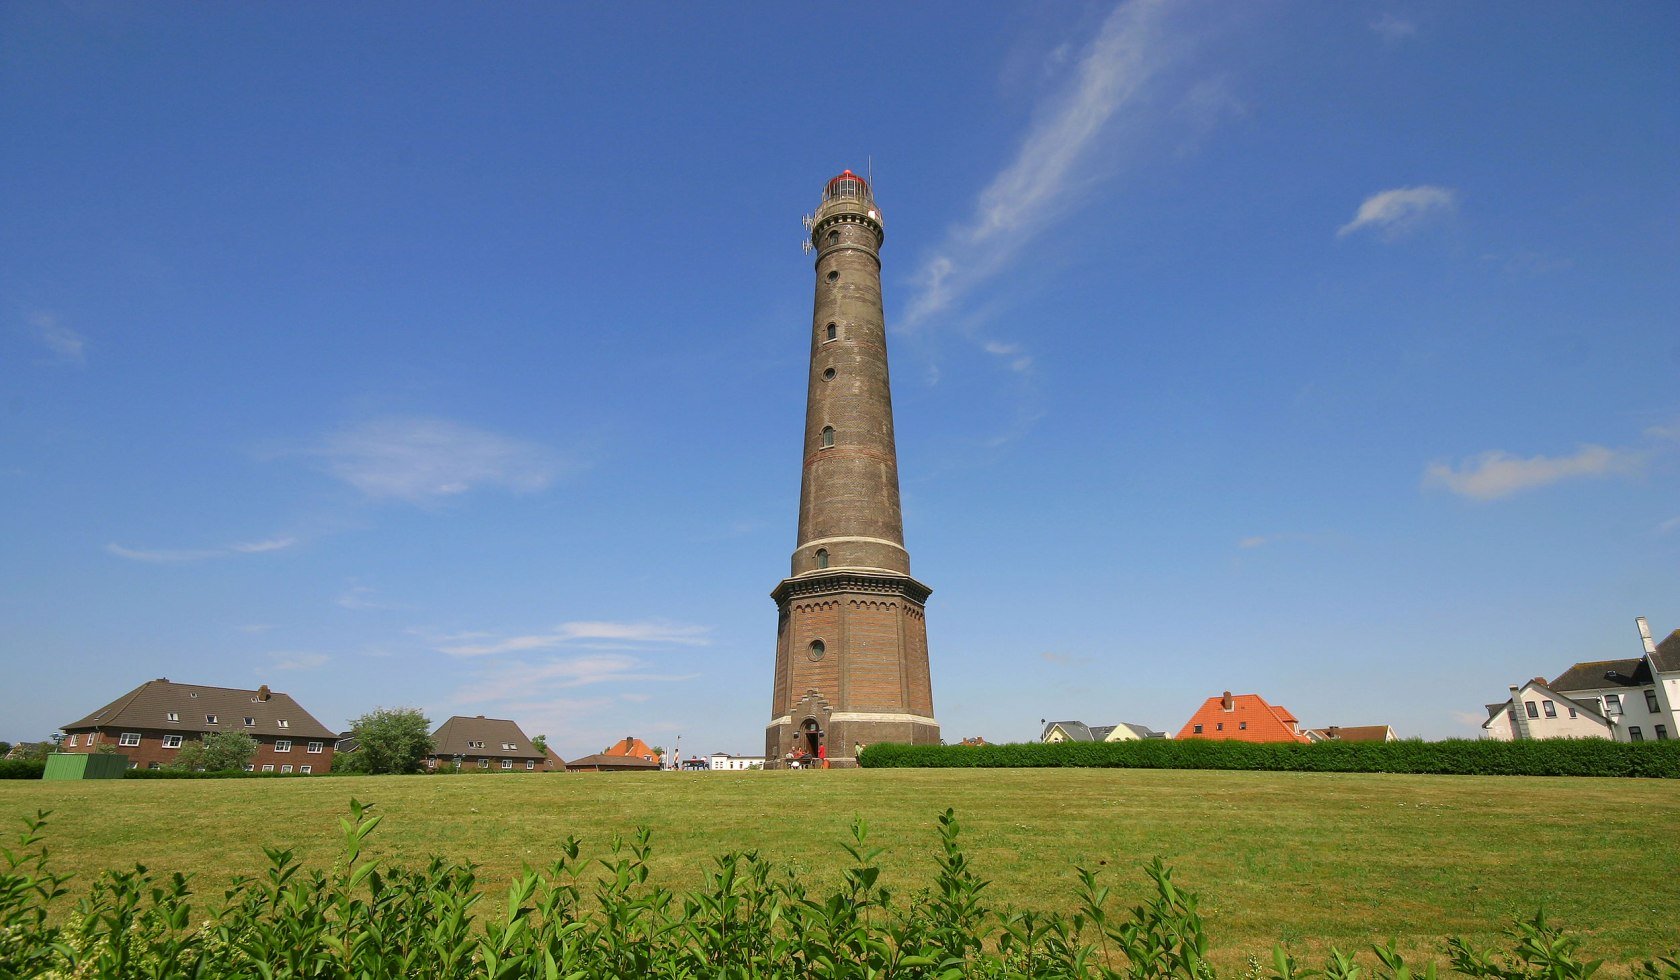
(1304, 858)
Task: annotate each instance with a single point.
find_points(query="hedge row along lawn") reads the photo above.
(1454, 757)
(1307, 859)
(601, 916)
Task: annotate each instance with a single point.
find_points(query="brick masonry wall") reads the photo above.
(151, 753)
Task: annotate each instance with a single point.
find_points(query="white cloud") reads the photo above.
(525, 681)
(362, 597)
(425, 459)
(1255, 541)
(67, 346)
(296, 661)
(591, 635)
(1392, 213)
(170, 555)
(1495, 474)
(1394, 28)
(1017, 360)
(1053, 163)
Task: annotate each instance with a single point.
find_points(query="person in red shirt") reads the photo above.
(822, 753)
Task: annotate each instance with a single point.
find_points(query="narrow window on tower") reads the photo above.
(822, 557)
(834, 238)
(832, 332)
(834, 275)
(828, 437)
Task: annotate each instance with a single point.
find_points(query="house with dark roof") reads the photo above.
(151, 723)
(1537, 710)
(607, 762)
(1638, 696)
(1243, 718)
(1078, 731)
(1353, 733)
(488, 743)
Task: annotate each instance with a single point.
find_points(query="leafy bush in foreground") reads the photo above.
(1456, 757)
(601, 918)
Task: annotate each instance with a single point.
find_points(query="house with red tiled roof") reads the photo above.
(1243, 718)
(632, 747)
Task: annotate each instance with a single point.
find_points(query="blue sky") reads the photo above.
(454, 356)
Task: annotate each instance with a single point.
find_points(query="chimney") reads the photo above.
(1332, 730)
(1645, 635)
(262, 693)
(1519, 715)
(1225, 701)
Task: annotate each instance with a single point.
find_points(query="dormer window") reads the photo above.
(283, 723)
(173, 715)
(250, 722)
(210, 719)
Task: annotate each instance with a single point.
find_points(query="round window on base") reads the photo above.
(828, 375)
(818, 649)
(834, 276)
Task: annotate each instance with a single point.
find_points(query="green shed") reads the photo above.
(85, 765)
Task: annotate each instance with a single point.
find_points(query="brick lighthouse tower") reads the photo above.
(851, 633)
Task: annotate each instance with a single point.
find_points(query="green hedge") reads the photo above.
(1458, 757)
(21, 769)
(585, 916)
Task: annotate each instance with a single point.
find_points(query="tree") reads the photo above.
(216, 752)
(4, 748)
(541, 743)
(389, 740)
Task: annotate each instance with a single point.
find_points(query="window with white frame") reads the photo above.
(1533, 710)
(507, 763)
(250, 768)
(1612, 704)
(282, 745)
(73, 741)
(173, 715)
(285, 768)
(210, 719)
(172, 741)
(268, 768)
(509, 746)
(250, 722)
(92, 737)
(483, 763)
(304, 769)
(283, 723)
(315, 748)
(1549, 708)
(530, 764)
(129, 738)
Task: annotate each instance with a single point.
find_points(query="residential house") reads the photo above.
(1078, 731)
(634, 748)
(1535, 710)
(723, 761)
(486, 743)
(1243, 718)
(1640, 696)
(1353, 733)
(974, 742)
(150, 724)
(606, 762)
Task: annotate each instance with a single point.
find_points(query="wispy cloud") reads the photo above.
(362, 597)
(1393, 28)
(1012, 354)
(1256, 541)
(1053, 164)
(172, 555)
(525, 681)
(591, 635)
(1672, 524)
(65, 345)
(1496, 474)
(421, 460)
(297, 661)
(1393, 213)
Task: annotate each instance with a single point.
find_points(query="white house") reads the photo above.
(1537, 711)
(1632, 700)
(723, 760)
(1078, 731)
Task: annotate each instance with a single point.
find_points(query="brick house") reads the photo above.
(488, 743)
(150, 724)
(1243, 718)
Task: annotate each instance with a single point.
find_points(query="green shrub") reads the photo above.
(602, 917)
(21, 769)
(1458, 757)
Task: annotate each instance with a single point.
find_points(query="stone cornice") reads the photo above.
(843, 580)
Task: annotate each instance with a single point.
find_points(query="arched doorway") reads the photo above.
(810, 736)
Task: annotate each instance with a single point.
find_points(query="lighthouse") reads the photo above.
(851, 629)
